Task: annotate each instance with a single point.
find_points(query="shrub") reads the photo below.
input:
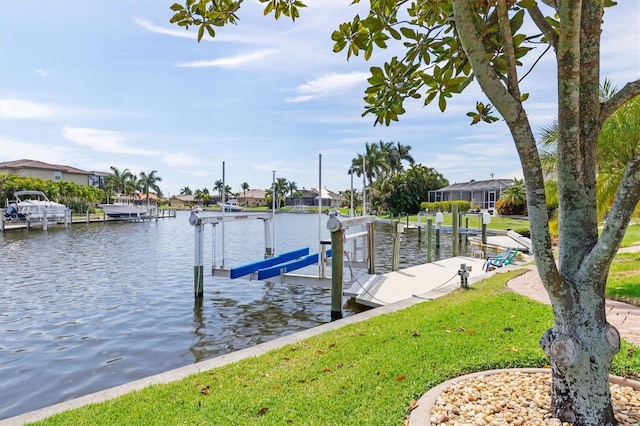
(445, 206)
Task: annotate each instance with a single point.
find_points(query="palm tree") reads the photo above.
(396, 155)
(617, 144)
(217, 186)
(281, 190)
(244, 186)
(292, 187)
(120, 182)
(186, 191)
(516, 193)
(198, 195)
(149, 181)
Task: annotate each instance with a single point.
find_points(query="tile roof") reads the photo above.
(34, 164)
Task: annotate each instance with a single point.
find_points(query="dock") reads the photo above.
(16, 225)
(426, 281)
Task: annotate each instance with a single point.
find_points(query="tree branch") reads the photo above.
(628, 92)
(509, 52)
(624, 203)
(511, 110)
(540, 21)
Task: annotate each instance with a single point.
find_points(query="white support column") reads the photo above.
(268, 238)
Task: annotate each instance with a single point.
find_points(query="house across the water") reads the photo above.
(482, 194)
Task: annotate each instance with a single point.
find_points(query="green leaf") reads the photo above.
(516, 21)
(268, 8)
(527, 3)
(210, 30)
(200, 33)
(442, 102)
(408, 33)
(176, 6)
(524, 97)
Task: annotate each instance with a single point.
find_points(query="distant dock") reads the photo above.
(16, 225)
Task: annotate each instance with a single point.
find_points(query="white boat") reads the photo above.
(34, 205)
(124, 207)
(230, 206)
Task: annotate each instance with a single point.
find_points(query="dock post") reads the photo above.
(466, 235)
(454, 224)
(439, 220)
(88, 215)
(429, 240)
(45, 219)
(268, 238)
(198, 256)
(486, 219)
(371, 247)
(337, 250)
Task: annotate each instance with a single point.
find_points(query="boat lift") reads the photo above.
(282, 264)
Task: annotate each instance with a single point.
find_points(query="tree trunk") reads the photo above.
(580, 348)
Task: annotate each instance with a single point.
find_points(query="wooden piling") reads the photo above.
(371, 248)
(454, 220)
(429, 240)
(337, 263)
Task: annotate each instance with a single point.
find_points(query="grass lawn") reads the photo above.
(631, 236)
(362, 374)
(624, 278)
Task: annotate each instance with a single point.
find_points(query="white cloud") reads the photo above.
(201, 173)
(103, 140)
(151, 27)
(181, 159)
(18, 109)
(230, 62)
(43, 73)
(327, 85)
(14, 149)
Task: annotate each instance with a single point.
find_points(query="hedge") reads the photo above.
(445, 206)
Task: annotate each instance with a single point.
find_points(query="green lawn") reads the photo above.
(624, 278)
(362, 374)
(632, 236)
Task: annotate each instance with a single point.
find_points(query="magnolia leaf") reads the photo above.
(527, 3)
(200, 33)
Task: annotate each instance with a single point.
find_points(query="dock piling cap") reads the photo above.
(334, 224)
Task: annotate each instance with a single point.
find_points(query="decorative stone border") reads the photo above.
(421, 415)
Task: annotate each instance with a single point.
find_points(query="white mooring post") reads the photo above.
(268, 238)
(45, 219)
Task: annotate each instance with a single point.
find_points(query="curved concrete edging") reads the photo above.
(182, 372)
(421, 415)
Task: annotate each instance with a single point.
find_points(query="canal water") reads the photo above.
(94, 306)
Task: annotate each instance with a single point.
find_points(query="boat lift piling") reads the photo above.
(337, 226)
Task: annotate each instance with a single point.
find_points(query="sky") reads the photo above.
(112, 83)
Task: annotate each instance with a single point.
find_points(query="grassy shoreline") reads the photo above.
(363, 373)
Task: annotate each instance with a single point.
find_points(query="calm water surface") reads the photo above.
(95, 306)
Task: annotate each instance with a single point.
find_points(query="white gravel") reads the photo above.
(515, 398)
